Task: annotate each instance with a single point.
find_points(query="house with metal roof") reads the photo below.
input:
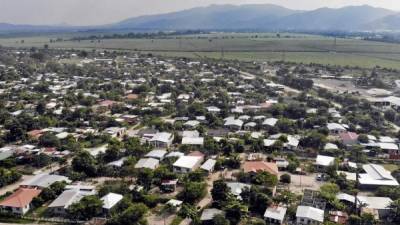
(110, 200)
(157, 154)
(199, 141)
(376, 176)
(60, 205)
(186, 164)
(162, 140)
(275, 214)
(309, 215)
(148, 163)
(209, 165)
(43, 181)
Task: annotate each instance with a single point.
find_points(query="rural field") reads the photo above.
(249, 47)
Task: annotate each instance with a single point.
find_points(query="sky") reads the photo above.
(97, 12)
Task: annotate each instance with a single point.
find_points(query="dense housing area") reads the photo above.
(112, 137)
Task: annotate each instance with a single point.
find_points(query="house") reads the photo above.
(156, 154)
(237, 188)
(322, 162)
(376, 176)
(199, 141)
(60, 205)
(378, 206)
(349, 138)
(209, 165)
(190, 133)
(338, 217)
(309, 215)
(148, 163)
(115, 131)
(191, 124)
(258, 166)
(275, 214)
(186, 164)
(109, 201)
(233, 124)
(281, 163)
(117, 163)
(270, 122)
(168, 185)
(335, 128)
(20, 201)
(6, 152)
(208, 214)
(43, 180)
(162, 140)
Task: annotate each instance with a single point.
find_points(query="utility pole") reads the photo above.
(357, 184)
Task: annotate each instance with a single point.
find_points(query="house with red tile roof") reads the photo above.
(20, 201)
(349, 138)
(260, 166)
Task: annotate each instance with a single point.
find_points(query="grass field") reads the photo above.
(249, 47)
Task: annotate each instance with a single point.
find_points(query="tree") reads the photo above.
(285, 178)
(87, 208)
(329, 191)
(220, 220)
(265, 178)
(235, 211)
(145, 177)
(220, 192)
(84, 162)
(395, 208)
(193, 191)
(49, 140)
(132, 215)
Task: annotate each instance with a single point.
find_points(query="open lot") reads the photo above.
(248, 47)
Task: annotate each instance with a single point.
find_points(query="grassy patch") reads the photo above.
(390, 167)
(177, 220)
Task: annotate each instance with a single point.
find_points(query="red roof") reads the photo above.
(35, 133)
(132, 96)
(107, 103)
(196, 153)
(257, 166)
(21, 198)
(348, 136)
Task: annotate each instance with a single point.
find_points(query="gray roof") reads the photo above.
(157, 154)
(68, 198)
(275, 212)
(310, 213)
(149, 163)
(44, 180)
(209, 214)
(208, 165)
(236, 187)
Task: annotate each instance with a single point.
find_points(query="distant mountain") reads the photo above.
(263, 17)
(347, 18)
(391, 22)
(212, 17)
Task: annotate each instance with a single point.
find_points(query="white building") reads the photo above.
(275, 214)
(309, 215)
(162, 140)
(186, 164)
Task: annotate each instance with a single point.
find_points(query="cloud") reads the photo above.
(91, 12)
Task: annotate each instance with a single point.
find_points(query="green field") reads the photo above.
(249, 47)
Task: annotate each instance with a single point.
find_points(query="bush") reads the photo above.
(285, 178)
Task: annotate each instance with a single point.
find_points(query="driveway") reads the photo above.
(301, 182)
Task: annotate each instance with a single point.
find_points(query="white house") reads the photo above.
(309, 215)
(186, 164)
(110, 200)
(275, 214)
(148, 163)
(162, 140)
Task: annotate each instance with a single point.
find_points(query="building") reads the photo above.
(162, 140)
(349, 138)
(335, 128)
(275, 214)
(209, 165)
(198, 141)
(309, 215)
(20, 201)
(60, 205)
(109, 201)
(376, 176)
(209, 214)
(258, 166)
(186, 164)
(322, 162)
(148, 163)
(43, 180)
(237, 188)
(338, 217)
(156, 154)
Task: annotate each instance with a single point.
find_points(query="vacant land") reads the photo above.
(249, 47)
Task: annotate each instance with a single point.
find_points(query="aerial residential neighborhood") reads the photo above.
(212, 112)
(175, 141)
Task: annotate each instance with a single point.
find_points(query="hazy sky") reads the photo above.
(91, 12)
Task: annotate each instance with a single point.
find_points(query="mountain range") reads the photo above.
(265, 17)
